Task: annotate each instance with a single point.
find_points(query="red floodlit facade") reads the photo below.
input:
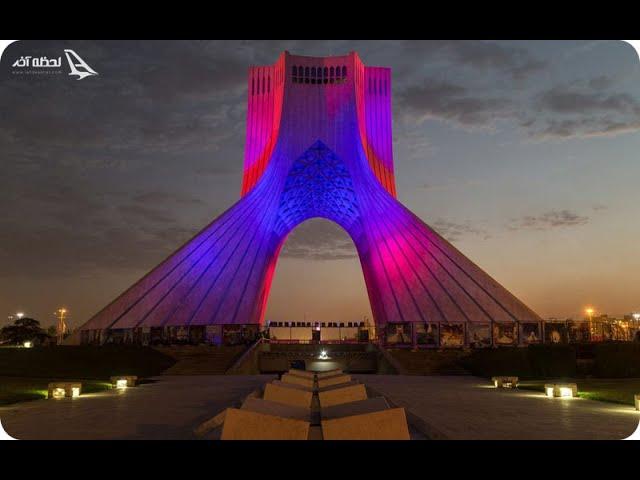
(318, 144)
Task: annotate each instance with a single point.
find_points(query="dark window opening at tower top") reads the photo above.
(319, 75)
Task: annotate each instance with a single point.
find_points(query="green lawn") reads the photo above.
(21, 389)
(616, 390)
(86, 362)
(26, 372)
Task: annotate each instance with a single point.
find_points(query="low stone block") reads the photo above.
(248, 425)
(334, 380)
(636, 400)
(277, 409)
(301, 373)
(389, 424)
(505, 382)
(352, 393)
(329, 373)
(292, 385)
(287, 378)
(288, 396)
(64, 389)
(123, 381)
(211, 424)
(360, 407)
(566, 390)
(339, 385)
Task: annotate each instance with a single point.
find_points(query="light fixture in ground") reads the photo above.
(58, 393)
(64, 389)
(563, 390)
(124, 381)
(505, 381)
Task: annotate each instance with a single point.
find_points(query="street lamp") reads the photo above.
(589, 311)
(62, 326)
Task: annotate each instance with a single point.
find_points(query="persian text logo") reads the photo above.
(44, 65)
(86, 70)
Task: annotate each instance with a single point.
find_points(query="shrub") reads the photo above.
(617, 360)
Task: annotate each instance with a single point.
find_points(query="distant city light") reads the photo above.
(589, 311)
(636, 316)
(19, 315)
(122, 383)
(27, 344)
(75, 391)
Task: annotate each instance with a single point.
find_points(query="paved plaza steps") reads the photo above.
(305, 405)
(201, 359)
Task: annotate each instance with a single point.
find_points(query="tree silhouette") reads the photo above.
(22, 330)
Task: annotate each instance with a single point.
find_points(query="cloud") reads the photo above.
(571, 101)
(509, 59)
(583, 112)
(453, 231)
(319, 239)
(448, 101)
(548, 220)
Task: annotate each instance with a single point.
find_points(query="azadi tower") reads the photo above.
(319, 144)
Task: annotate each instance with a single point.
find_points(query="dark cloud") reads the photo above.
(591, 111)
(319, 239)
(453, 231)
(569, 101)
(512, 60)
(447, 101)
(548, 220)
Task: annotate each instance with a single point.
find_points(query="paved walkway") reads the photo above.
(458, 407)
(464, 407)
(168, 409)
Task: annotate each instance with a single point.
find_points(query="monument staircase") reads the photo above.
(429, 362)
(201, 359)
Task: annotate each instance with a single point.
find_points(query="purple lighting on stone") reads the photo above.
(319, 144)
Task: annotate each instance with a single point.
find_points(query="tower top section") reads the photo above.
(301, 99)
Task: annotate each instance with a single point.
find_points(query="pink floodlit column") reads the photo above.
(319, 144)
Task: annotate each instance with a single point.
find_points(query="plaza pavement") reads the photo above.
(169, 408)
(459, 407)
(469, 408)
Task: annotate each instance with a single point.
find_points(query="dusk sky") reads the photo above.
(525, 155)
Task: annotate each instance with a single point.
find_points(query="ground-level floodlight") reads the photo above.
(27, 344)
(57, 393)
(563, 390)
(505, 382)
(124, 381)
(323, 355)
(64, 389)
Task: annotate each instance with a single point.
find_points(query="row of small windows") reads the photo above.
(317, 324)
(318, 75)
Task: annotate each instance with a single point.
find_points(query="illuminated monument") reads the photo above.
(319, 144)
